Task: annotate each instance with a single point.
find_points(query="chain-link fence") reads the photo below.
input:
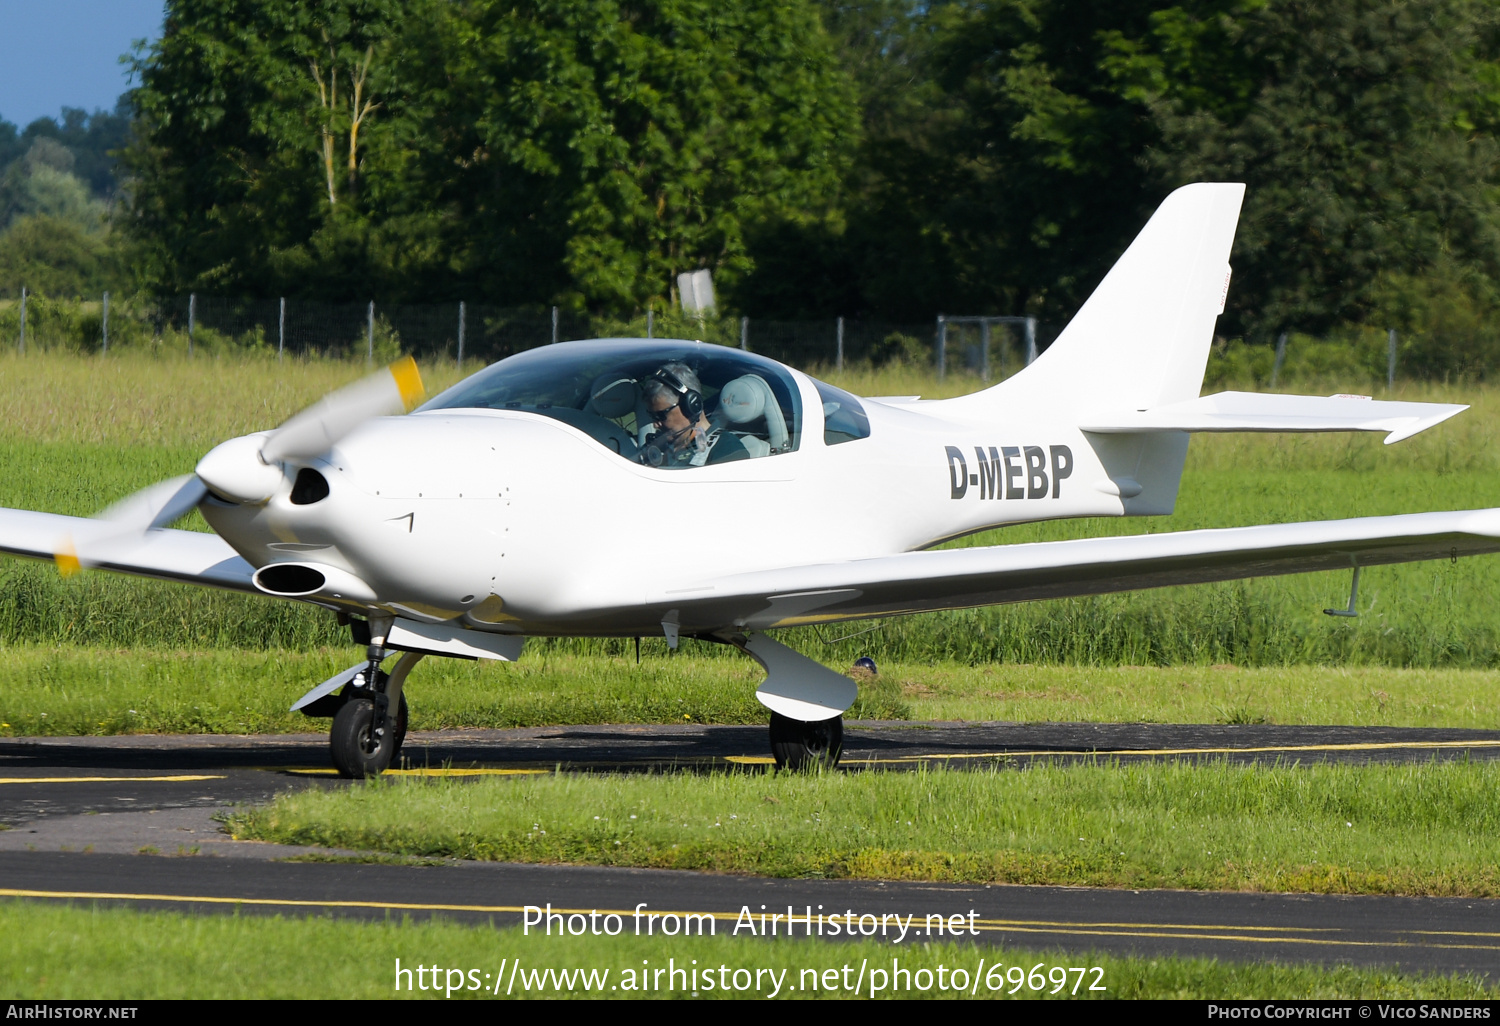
(991, 348)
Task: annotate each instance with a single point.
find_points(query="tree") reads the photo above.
(1344, 117)
(597, 149)
(54, 256)
(561, 151)
(241, 108)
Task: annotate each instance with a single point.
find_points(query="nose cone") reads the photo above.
(234, 470)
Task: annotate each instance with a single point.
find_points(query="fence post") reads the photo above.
(1280, 358)
(104, 322)
(745, 334)
(461, 334)
(192, 317)
(1030, 340)
(23, 318)
(839, 361)
(984, 347)
(650, 323)
(370, 335)
(281, 330)
(942, 346)
(554, 325)
(1390, 362)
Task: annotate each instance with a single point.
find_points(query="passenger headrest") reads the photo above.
(748, 397)
(743, 399)
(613, 395)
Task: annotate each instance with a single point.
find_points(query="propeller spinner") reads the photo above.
(250, 468)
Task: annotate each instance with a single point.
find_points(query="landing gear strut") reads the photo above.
(800, 745)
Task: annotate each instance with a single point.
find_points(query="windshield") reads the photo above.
(661, 403)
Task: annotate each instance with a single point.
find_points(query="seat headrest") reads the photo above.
(613, 395)
(743, 399)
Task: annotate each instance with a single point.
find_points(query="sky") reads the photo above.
(66, 53)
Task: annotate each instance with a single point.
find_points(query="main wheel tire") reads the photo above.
(359, 749)
(797, 744)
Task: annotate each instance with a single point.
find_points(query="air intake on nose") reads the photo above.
(310, 487)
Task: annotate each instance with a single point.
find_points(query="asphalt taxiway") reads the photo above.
(132, 820)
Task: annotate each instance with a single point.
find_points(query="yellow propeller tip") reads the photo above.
(408, 381)
(66, 558)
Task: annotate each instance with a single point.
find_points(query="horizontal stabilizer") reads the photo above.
(1256, 411)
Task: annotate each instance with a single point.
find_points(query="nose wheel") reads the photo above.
(797, 744)
(370, 724)
(361, 746)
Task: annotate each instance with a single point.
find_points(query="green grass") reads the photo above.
(79, 952)
(74, 689)
(1428, 829)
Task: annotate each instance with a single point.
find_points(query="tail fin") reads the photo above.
(1142, 339)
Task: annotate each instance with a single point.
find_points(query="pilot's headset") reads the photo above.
(689, 400)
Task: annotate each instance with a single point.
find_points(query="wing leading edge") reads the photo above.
(187, 556)
(916, 582)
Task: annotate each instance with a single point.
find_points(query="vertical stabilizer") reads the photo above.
(1142, 339)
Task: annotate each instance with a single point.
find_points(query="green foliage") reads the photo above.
(54, 183)
(566, 152)
(901, 350)
(56, 256)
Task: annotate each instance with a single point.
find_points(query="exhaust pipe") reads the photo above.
(311, 580)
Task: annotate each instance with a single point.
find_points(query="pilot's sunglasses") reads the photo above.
(660, 416)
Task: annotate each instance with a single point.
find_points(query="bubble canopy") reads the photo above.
(750, 405)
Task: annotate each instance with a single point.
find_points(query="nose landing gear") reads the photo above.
(362, 743)
(370, 725)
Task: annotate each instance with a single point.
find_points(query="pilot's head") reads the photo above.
(674, 395)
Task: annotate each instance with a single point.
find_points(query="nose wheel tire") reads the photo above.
(800, 745)
(360, 749)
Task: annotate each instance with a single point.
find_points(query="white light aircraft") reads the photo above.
(629, 487)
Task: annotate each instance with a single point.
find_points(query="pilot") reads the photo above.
(684, 437)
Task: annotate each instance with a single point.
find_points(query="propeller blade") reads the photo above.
(396, 389)
(160, 505)
(149, 509)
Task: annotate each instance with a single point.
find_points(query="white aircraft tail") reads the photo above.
(1142, 339)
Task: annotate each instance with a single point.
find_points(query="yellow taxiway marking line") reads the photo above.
(482, 771)
(102, 780)
(1125, 930)
(1358, 747)
(751, 760)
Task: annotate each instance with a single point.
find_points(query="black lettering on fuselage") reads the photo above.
(1062, 466)
(1013, 472)
(1010, 471)
(1036, 472)
(958, 472)
(989, 472)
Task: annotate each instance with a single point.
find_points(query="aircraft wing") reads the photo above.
(188, 556)
(914, 582)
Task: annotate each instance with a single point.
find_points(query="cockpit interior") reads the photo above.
(601, 386)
